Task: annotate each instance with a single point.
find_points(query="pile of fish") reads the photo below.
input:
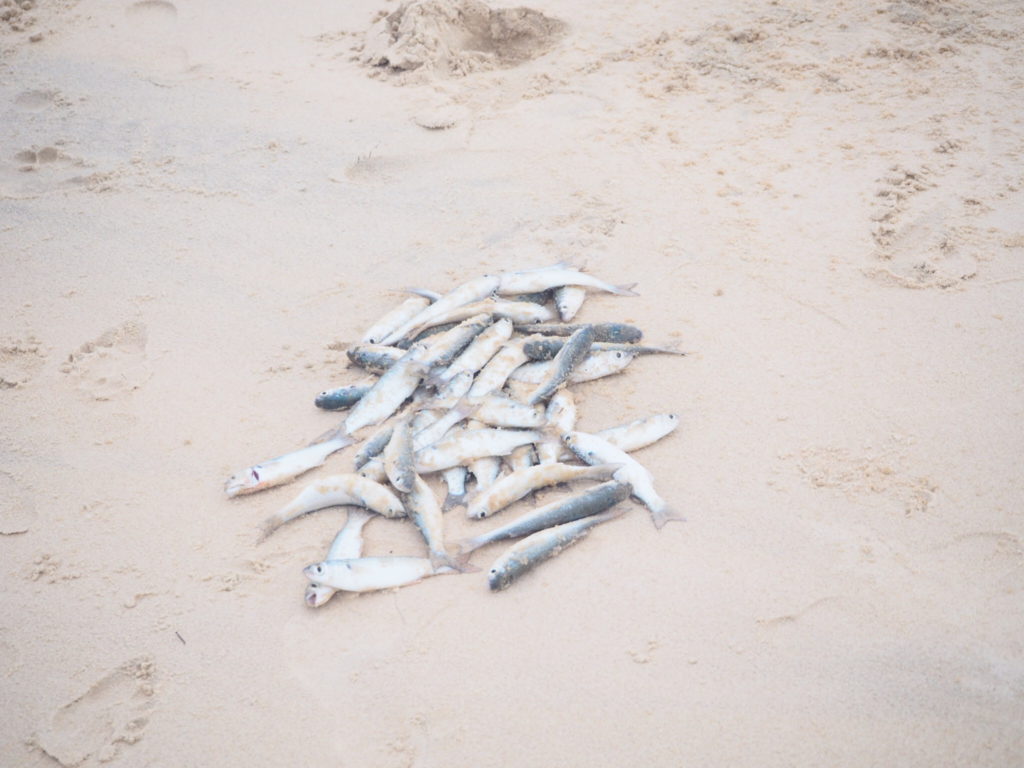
(473, 383)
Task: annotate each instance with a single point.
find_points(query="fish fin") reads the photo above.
(268, 526)
(442, 560)
(665, 515)
(450, 502)
(625, 290)
(424, 292)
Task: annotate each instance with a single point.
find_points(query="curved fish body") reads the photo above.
(447, 346)
(340, 398)
(564, 510)
(544, 278)
(619, 333)
(390, 391)
(466, 445)
(425, 512)
(594, 450)
(368, 574)
(513, 487)
(397, 456)
(569, 356)
(476, 355)
(400, 314)
(485, 471)
(639, 433)
(376, 358)
(497, 371)
(334, 491)
(568, 300)
(346, 545)
(561, 418)
(284, 469)
(538, 547)
(467, 293)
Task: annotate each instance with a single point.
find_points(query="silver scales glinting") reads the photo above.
(474, 382)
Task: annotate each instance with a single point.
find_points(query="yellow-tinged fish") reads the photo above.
(347, 544)
(284, 468)
(334, 491)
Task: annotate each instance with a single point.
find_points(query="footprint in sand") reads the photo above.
(20, 360)
(113, 365)
(17, 509)
(94, 728)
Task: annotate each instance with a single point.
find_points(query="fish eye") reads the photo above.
(255, 475)
(618, 354)
(319, 569)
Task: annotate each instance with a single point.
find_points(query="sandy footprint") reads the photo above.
(113, 365)
(20, 360)
(94, 728)
(17, 509)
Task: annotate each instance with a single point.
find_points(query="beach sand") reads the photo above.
(203, 204)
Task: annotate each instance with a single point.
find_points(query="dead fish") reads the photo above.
(563, 510)
(347, 544)
(561, 418)
(467, 293)
(396, 317)
(593, 450)
(513, 487)
(476, 355)
(390, 391)
(498, 410)
(522, 457)
(597, 365)
(569, 356)
(286, 468)
(367, 574)
(336, 491)
(613, 332)
(340, 398)
(471, 444)
(547, 348)
(568, 300)
(498, 369)
(541, 546)
(376, 358)
(374, 444)
(398, 456)
(447, 346)
(544, 278)
(425, 512)
(639, 433)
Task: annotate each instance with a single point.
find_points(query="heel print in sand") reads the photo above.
(113, 365)
(96, 726)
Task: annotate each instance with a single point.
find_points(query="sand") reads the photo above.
(202, 204)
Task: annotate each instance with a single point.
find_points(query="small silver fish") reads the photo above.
(541, 546)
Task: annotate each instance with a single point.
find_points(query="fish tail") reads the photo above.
(664, 515)
(624, 290)
(443, 562)
(269, 525)
(450, 501)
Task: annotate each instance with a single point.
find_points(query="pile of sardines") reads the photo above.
(473, 383)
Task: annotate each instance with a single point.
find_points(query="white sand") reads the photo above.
(200, 202)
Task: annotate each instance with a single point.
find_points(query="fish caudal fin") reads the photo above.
(665, 515)
(625, 290)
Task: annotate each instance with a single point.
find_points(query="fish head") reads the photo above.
(497, 580)
(318, 594)
(314, 572)
(244, 481)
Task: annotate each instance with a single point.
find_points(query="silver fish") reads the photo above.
(620, 333)
(467, 293)
(564, 510)
(593, 450)
(403, 312)
(390, 391)
(569, 356)
(541, 546)
(286, 468)
(347, 544)
(398, 456)
(513, 487)
(334, 491)
(568, 300)
(532, 280)
(367, 574)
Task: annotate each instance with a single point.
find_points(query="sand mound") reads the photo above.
(459, 37)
